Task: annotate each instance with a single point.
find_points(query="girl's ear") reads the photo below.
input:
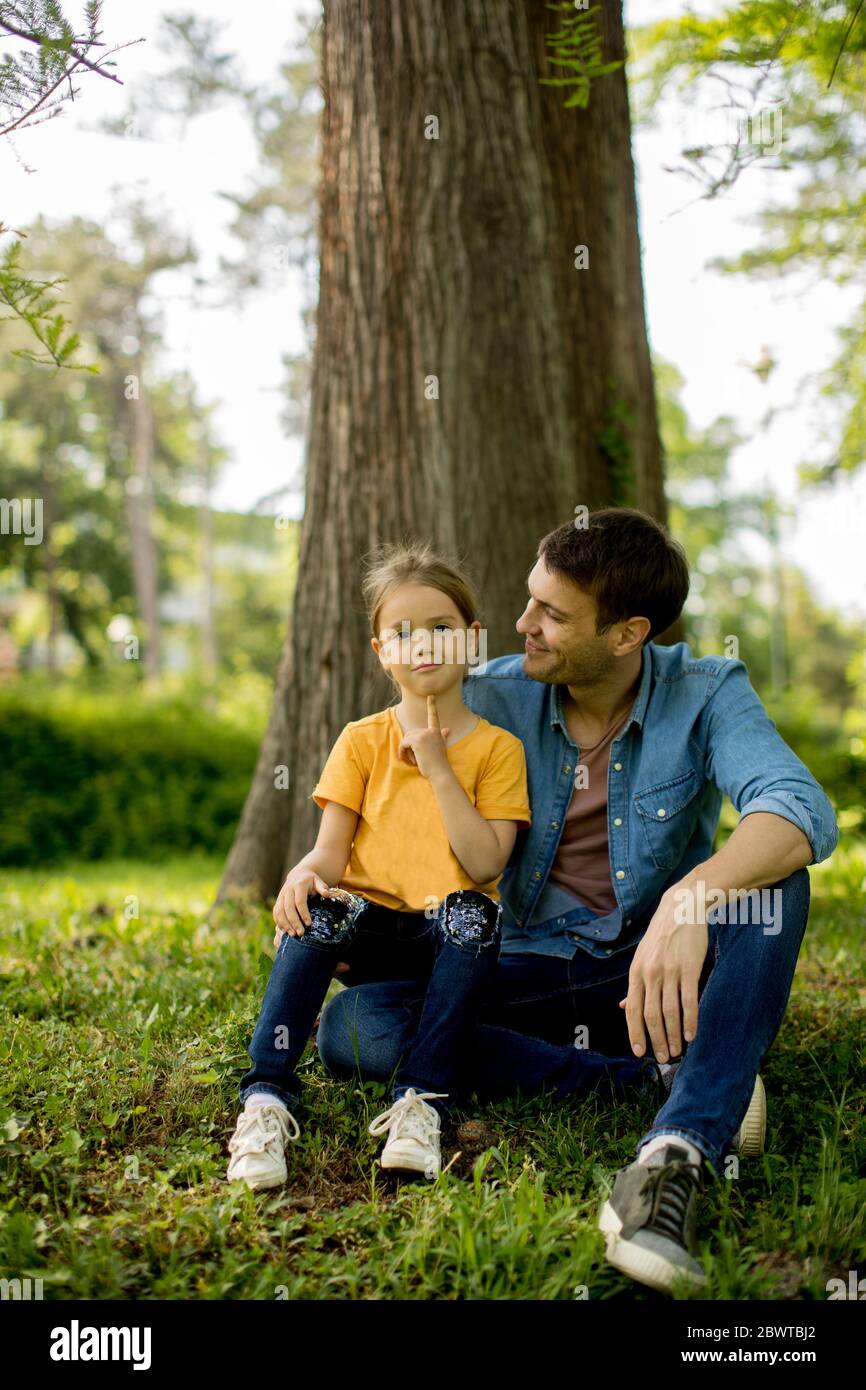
(383, 652)
(472, 641)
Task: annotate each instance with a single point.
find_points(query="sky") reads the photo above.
(711, 326)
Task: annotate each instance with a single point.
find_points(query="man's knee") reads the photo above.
(470, 919)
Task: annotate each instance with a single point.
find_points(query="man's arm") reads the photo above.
(747, 758)
(786, 822)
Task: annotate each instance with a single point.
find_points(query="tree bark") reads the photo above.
(470, 384)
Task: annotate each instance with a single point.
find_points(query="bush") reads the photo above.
(101, 777)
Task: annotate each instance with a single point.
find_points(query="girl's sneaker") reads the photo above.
(258, 1146)
(413, 1134)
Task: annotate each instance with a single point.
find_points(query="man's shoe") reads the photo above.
(648, 1221)
(258, 1146)
(413, 1138)
(753, 1131)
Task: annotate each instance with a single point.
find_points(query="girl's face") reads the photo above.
(424, 642)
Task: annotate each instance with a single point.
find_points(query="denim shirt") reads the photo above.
(697, 730)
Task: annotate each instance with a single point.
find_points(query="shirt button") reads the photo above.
(618, 820)
(620, 873)
(567, 767)
(617, 767)
(537, 874)
(554, 824)
(661, 811)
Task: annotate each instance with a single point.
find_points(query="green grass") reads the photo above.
(122, 1039)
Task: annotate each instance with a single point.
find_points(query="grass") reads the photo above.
(124, 1018)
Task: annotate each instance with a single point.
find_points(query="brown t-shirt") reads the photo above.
(582, 863)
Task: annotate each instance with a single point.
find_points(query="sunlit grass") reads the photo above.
(125, 1018)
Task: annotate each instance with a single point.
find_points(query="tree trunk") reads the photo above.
(139, 510)
(470, 383)
(207, 625)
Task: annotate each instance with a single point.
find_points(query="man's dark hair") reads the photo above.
(626, 561)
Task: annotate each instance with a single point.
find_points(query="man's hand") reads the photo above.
(291, 913)
(663, 982)
(425, 748)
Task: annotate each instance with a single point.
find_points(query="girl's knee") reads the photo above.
(470, 918)
(332, 919)
(334, 1037)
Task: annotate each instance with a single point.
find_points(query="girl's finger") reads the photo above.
(301, 905)
(321, 887)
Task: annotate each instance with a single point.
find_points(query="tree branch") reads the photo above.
(44, 42)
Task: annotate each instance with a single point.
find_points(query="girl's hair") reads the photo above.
(414, 562)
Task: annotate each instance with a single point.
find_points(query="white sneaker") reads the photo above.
(752, 1133)
(413, 1138)
(258, 1146)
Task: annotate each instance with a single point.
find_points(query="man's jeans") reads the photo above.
(445, 959)
(530, 1011)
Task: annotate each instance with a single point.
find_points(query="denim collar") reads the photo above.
(638, 709)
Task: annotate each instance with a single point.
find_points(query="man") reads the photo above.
(618, 918)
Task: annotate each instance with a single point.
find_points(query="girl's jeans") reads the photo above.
(447, 959)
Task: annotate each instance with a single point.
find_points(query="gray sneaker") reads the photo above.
(648, 1220)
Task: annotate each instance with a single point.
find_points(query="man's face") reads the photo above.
(558, 624)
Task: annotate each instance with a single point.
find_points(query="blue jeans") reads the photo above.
(445, 959)
(523, 1039)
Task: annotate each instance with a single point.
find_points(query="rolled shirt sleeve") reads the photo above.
(750, 762)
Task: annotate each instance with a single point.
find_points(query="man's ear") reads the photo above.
(634, 630)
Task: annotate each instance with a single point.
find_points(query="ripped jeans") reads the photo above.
(454, 952)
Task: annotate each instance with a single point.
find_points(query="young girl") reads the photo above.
(421, 806)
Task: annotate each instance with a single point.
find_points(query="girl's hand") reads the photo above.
(291, 913)
(425, 748)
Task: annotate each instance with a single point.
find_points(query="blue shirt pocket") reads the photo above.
(668, 814)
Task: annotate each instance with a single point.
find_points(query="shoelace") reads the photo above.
(671, 1188)
(409, 1117)
(257, 1130)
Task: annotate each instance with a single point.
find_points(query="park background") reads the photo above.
(140, 641)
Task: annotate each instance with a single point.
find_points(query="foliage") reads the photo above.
(33, 86)
(99, 776)
(33, 302)
(803, 62)
(577, 46)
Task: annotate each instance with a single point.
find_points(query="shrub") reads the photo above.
(97, 777)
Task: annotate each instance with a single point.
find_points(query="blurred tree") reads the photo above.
(35, 81)
(724, 534)
(102, 450)
(793, 73)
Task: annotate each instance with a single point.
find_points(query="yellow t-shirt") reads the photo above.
(400, 856)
